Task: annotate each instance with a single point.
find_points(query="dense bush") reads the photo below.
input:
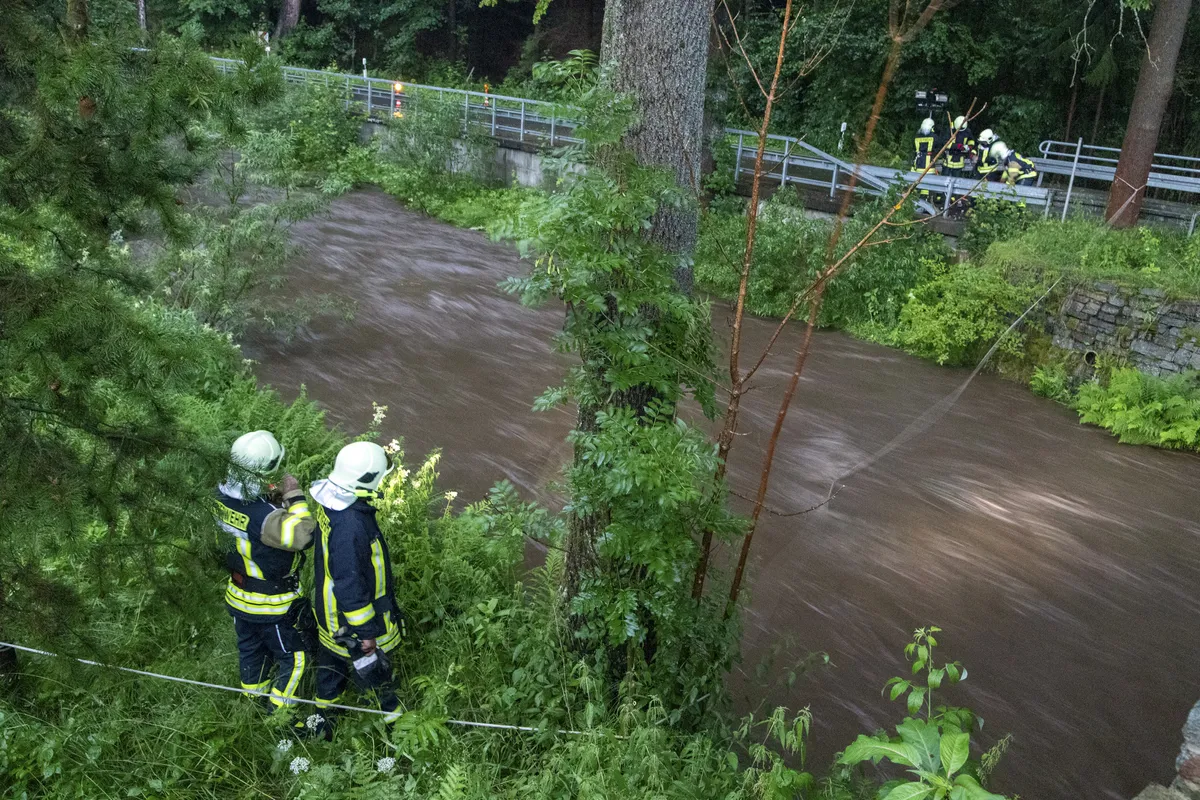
(1143, 409)
(790, 249)
(957, 316)
(1084, 250)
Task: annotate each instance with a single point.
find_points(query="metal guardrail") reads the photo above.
(511, 118)
(788, 160)
(1077, 160)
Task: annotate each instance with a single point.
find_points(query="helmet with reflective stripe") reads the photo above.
(987, 137)
(927, 126)
(360, 465)
(959, 122)
(999, 150)
(258, 452)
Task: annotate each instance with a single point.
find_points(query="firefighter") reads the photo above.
(959, 149)
(358, 620)
(1014, 168)
(924, 146)
(984, 165)
(271, 529)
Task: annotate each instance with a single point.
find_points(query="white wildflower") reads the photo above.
(313, 721)
(386, 764)
(299, 764)
(284, 745)
(380, 413)
(393, 446)
(450, 496)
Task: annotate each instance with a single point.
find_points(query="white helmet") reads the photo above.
(927, 125)
(999, 150)
(959, 122)
(987, 137)
(360, 465)
(257, 452)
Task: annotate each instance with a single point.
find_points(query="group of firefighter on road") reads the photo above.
(957, 153)
(346, 633)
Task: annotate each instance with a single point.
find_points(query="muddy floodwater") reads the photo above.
(1064, 567)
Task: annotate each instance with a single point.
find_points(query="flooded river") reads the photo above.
(1064, 568)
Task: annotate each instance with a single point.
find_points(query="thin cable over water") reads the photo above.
(936, 411)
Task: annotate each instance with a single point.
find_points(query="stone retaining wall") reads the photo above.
(1156, 335)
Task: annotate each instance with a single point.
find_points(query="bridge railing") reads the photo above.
(787, 159)
(520, 119)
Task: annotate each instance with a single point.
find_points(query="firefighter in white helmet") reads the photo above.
(984, 165)
(1014, 168)
(358, 619)
(271, 528)
(962, 143)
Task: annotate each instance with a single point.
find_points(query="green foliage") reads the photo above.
(1088, 251)
(1051, 381)
(790, 249)
(1143, 409)
(933, 743)
(956, 317)
(989, 220)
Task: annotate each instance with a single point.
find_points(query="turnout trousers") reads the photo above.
(333, 672)
(264, 645)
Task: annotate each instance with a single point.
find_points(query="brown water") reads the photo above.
(1064, 568)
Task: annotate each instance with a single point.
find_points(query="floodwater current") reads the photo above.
(1063, 567)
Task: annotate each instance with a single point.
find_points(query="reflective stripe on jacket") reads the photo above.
(962, 142)
(925, 151)
(354, 586)
(267, 547)
(1018, 168)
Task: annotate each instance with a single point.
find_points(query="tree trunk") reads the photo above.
(1071, 111)
(77, 21)
(658, 52)
(141, 14)
(1099, 115)
(289, 15)
(452, 23)
(1155, 82)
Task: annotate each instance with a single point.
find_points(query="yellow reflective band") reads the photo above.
(326, 639)
(287, 535)
(288, 694)
(230, 517)
(361, 616)
(243, 548)
(326, 702)
(380, 568)
(264, 605)
(328, 600)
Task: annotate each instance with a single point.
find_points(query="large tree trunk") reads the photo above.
(142, 14)
(289, 15)
(1155, 82)
(658, 52)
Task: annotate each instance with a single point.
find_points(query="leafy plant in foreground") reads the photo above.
(933, 743)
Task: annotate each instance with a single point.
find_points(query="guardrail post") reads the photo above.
(553, 120)
(347, 92)
(1071, 182)
(1049, 202)
(370, 99)
(522, 134)
(494, 119)
(787, 151)
(466, 113)
(833, 182)
(737, 162)
(1192, 227)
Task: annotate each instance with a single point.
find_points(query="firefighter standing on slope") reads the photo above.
(358, 620)
(263, 593)
(959, 149)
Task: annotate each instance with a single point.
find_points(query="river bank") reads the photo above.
(1055, 559)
